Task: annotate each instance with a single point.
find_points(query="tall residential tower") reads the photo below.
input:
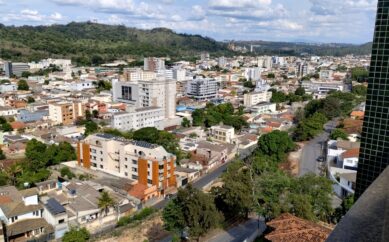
(374, 154)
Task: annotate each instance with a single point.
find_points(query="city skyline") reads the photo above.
(332, 21)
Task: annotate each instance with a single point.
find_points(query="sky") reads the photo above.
(335, 21)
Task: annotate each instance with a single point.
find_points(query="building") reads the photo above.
(8, 87)
(26, 116)
(179, 74)
(136, 74)
(202, 89)
(301, 69)
(326, 74)
(148, 93)
(13, 68)
(323, 86)
(138, 118)
(66, 112)
(368, 218)
(149, 164)
(223, 133)
(21, 213)
(55, 214)
(252, 74)
(253, 98)
(153, 64)
(373, 157)
(265, 107)
(288, 227)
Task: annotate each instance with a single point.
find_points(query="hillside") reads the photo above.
(298, 48)
(94, 43)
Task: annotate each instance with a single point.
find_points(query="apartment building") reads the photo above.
(66, 113)
(148, 93)
(136, 74)
(8, 87)
(153, 64)
(138, 118)
(253, 98)
(264, 107)
(253, 73)
(12, 68)
(149, 164)
(223, 133)
(202, 89)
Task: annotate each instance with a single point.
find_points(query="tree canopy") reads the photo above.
(23, 86)
(76, 235)
(191, 210)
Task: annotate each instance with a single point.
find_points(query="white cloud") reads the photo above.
(32, 15)
(224, 4)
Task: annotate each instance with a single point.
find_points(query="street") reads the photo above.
(240, 232)
(313, 150)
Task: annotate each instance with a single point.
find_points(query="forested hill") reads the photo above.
(298, 48)
(91, 42)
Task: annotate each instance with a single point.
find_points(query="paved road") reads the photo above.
(313, 150)
(240, 232)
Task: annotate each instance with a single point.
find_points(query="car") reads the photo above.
(320, 159)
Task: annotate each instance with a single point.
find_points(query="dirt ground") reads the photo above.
(149, 230)
(292, 165)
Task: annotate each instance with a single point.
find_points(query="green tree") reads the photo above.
(6, 127)
(66, 172)
(198, 117)
(276, 143)
(76, 235)
(359, 90)
(185, 122)
(338, 133)
(35, 151)
(192, 210)
(2, 155)
(90, 127)
(95, 113)
(30, 100)
(271, 75)
(22, 85)
(345, 206)
(235, 198)
(359, 74)
(300, 91)
(278, 96)
(310, 127)
(105, 202)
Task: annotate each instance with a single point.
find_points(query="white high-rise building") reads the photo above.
(253, 73)
(202, 89)
(136, 74)
(148, 93)
(253, 98)
(179, 74)
(138, 118)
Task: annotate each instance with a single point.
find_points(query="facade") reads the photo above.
(139, 118)
(374, 154)
(152, 93)
(253, 98)
(149, 164)
(253, 73)
(202, 89)
(22, 215)
(301, 69)
(136, 74)
(223, 133)
(7, 87)
(12, 68)
(153, 64)
(266, 107)
(179, 74)
(323, 86)
(66, 113)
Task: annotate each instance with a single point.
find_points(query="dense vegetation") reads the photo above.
(92, 43)
(39, 157)
(289, 48)
(214, 115)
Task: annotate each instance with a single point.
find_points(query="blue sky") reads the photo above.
(345, 21)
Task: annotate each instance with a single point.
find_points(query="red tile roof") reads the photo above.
(289, 228)
(351, 153)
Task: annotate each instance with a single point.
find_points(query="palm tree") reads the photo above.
(12, 172)
(105, 202)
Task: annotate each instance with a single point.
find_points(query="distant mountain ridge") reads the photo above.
(88, 43)
(94, 43)
(298, 48)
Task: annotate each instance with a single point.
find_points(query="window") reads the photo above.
(134, 169)
(61, 221)
(126, 173)
(101, 166)
(125, 166)
(135, 162)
